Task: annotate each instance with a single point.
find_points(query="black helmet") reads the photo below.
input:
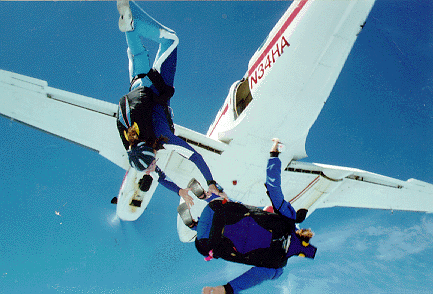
(141, 156)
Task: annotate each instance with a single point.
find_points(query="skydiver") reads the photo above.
(144, 118)
(246, 234)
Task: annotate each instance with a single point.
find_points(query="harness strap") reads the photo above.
(165, 91)
(286, 243)
(137, 77)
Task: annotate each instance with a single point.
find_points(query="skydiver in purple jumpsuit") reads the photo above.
(298, 238)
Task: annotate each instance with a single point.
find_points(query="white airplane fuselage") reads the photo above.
(287, 83)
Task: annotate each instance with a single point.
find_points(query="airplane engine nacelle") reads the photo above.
(135, 193)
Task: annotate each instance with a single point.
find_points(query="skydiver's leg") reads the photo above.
(138, 63)
(165, 61)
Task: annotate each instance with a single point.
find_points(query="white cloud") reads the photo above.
(427, 224)
(289, 285)
(337, 237)
(351, 253)
(398, 242)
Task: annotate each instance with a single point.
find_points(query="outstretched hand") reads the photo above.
(151, 167)
(186, 197)
(214, 190)
(214, 290)
(275, 145)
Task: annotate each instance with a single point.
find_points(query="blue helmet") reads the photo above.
(141, 156)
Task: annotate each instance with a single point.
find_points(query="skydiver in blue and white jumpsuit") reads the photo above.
(156, 85)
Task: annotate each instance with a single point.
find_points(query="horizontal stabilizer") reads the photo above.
(315, 186)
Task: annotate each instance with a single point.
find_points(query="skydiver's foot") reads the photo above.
(196, 188)
(145, 183)
(185, 215)
(126, 22)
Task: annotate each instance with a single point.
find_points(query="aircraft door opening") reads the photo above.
(242, 96)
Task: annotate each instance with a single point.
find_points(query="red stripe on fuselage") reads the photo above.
(224, 112)
(277, 36)
(268, 48)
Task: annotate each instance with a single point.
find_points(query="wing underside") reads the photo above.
(315, 186)
(83, 120)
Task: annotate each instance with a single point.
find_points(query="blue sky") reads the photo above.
(378, 118)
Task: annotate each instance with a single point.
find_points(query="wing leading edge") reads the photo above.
(64, 114)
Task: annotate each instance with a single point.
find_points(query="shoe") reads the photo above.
(196, 189)
(145, 183)
(126, 22)
(185, 215)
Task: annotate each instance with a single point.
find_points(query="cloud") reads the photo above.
(427, 223)
(289, 285)
(314, 279)
(398, 242)
(358, 255)
(336, 238)
(387, 242)
(354, 253)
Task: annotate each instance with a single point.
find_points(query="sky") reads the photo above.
(58, 231)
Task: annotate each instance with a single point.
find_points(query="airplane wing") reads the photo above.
(305, 185)
(83, 120)
(316, 186)
(78, 118)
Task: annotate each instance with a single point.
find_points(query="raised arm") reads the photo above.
(273, 183)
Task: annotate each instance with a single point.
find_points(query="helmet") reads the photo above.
(140, 156)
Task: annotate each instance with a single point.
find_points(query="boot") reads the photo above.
(185, 215)
(196, 189)
(126, 22)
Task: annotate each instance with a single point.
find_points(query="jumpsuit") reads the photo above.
(257, 275)
(165, 63)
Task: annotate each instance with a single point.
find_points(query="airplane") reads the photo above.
(283, 91)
